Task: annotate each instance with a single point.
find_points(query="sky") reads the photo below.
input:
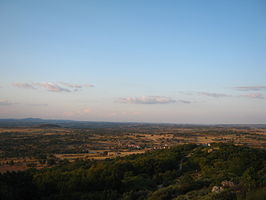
(173, 61)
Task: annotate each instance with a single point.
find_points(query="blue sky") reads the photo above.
(150, 61)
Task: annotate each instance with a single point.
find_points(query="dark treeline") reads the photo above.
(187, 172)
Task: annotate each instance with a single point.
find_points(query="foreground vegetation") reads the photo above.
(185, 172)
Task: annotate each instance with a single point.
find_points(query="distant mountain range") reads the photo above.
(38, 122)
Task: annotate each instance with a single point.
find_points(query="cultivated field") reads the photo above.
(26, 147)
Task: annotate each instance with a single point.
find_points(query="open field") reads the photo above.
(25, 147)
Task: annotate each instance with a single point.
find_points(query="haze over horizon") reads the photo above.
(140, 61)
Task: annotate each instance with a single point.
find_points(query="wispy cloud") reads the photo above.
(81, 112)
(38, 104)
(250, 88)
(124, 114)
(52, 86)
(5, 103)
(24, 85)
(150, 100)
(253, 96)
(76, 86)
(87, 110)
(215, 95)
(184, 101)
(147, 100)
(9, 103)
(221, 95)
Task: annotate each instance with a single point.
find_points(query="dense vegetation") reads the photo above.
(187, 172)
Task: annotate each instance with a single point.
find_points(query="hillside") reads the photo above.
(186, 172)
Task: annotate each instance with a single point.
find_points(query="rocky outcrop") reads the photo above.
(217, 189)
(225, 185)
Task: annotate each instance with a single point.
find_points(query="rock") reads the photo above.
(227, 184)
(217, 189)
